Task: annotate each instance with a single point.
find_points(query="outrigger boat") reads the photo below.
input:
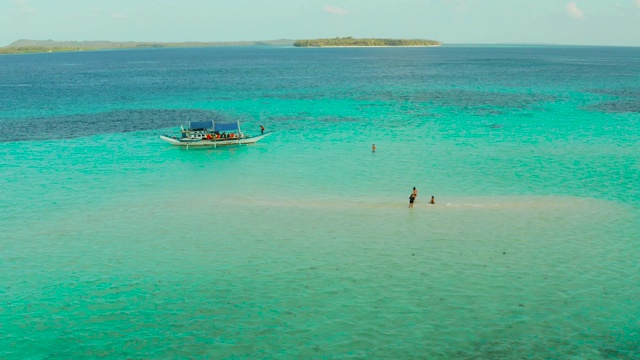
(208, 133)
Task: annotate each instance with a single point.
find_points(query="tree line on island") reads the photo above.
(349, 41)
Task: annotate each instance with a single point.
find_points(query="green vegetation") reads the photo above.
(43, 46)
(349, 41)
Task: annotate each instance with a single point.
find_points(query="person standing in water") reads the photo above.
(261, 129)
(373, 148)
(414, 193)
(412, 198)
(433, 200)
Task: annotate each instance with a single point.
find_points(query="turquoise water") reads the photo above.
(117, 245)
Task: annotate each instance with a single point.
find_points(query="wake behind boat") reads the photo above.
(210, 133)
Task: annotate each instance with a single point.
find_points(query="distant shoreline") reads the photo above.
(372, 46)
(365, 42)
(50, 46)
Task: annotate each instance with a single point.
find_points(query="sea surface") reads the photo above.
(114, 244)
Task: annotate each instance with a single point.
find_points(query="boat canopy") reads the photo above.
(227, 127)
(198, 125)
(195, 125)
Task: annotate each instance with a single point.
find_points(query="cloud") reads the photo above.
(636, 3)
(118, 16)
(334, 10)
(458, 5)
(24, 7)
(574, 11)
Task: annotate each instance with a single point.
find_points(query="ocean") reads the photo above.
(115, 244)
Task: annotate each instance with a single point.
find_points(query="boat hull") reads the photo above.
(213, 142)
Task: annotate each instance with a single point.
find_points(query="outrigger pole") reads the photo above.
(213, 125)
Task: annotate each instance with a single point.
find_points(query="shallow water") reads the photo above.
(117, 245)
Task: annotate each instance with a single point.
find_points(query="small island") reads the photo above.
(351, 42)
(24, 46)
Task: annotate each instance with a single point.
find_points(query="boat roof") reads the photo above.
(197, 125)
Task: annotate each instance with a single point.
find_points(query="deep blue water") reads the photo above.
(477, 80)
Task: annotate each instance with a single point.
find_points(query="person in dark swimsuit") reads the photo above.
(411, 199)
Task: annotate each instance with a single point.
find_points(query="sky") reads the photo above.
(565, 22)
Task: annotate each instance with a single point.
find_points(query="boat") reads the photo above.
(210, 133)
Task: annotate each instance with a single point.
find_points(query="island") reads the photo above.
(352, 42)
(45, 46)
(24, 46)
